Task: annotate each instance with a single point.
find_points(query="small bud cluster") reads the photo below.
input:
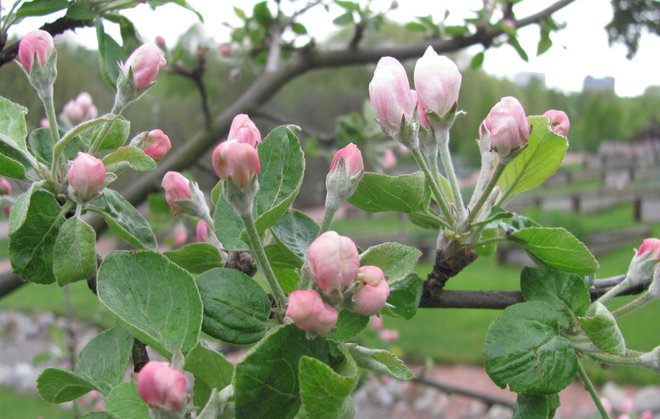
(333, 263)
(79, 109)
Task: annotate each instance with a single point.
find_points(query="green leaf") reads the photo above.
(236, 309)
(110, 53)
(287, 278)
(196, 257)
(40, 8)
(344, 19)
(11, 168)
(524, 349)
(537, 162)
(424, 220)
(280, 256)
(103, 360)
(262, 14)
(156, 299)
(282, 168)
(415, 26)
(125, 402)
(116, 135)
(216, 192)
(378, 193)
(324, 393)
(12, 124)
(513, 41)
(126, 221)
(97, 415)
(556, 247)
(298, 28)
(296, 231)
(603, 330)
(349, 325)
(74, 254)
(266, 380)
(348, 5)
(456, 30)
(41, 144)
(209, 366)
(80, 11)
(228, 226)
(160, 213)
(531, 406)
(128, 156)
(19, 210)
(381, 362)
(567, 292)
(395, 259)
(478, 60)
(404, 297)
(31, 244)
(240, 13)
(57, 385)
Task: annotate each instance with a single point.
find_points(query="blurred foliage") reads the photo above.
(631, 18)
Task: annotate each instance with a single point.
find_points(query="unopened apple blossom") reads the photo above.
(309, 313)
(389, 93)
(244, 130)
(373, 291)
(507, 126)
(36, 44)
(157, 144)
(437, 82)
(559, 121)
(80, 109)
(177, 188)
(144, 64)
(236, 162)
(5, 186)
(333, 261)
(86, 176)
(162, 386)
(202, 231)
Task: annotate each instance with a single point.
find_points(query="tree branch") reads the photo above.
(450, 389)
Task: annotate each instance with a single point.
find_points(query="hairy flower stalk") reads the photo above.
(346, 170)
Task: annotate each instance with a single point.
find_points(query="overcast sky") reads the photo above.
(579, 50)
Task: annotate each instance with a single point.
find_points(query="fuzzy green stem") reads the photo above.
(588, 385)
(445, 157)
(58, 148)
(474, 213)
(49, 106)
(328, 216)
(613, 292)
(438, 194)
(262, 260)
(635, 304)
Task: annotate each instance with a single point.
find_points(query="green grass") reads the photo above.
(17, 405)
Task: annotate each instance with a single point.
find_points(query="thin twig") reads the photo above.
(450, 389)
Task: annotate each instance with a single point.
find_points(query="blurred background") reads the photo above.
(607, 192)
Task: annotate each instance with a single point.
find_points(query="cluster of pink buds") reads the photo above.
(79, 109)
(236, 159)
(162, 386)
(333, 263)
(437, 83)
(86, 176)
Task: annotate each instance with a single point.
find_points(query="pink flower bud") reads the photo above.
(403, 150)
(43, 123)
(80, 109)
(177, 188)
(389, 335)
(224, 49)
(352, 160)
(157, 144)
(333, 261)
(371, 275)
(310, 313)
(388, 160)
(86, 175)
(161, 385)
(202, 231)
(243, 130)
(647, 414)
(421, 111)
(39, 43)
(238, 162)
(558, 121)
(369, 299)
(437, 81)
(160, 41)
(389, 93)
(628, 405)
(651, 246)
(144, 62)
(377, 324)
(5, 186)
(507, 126)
